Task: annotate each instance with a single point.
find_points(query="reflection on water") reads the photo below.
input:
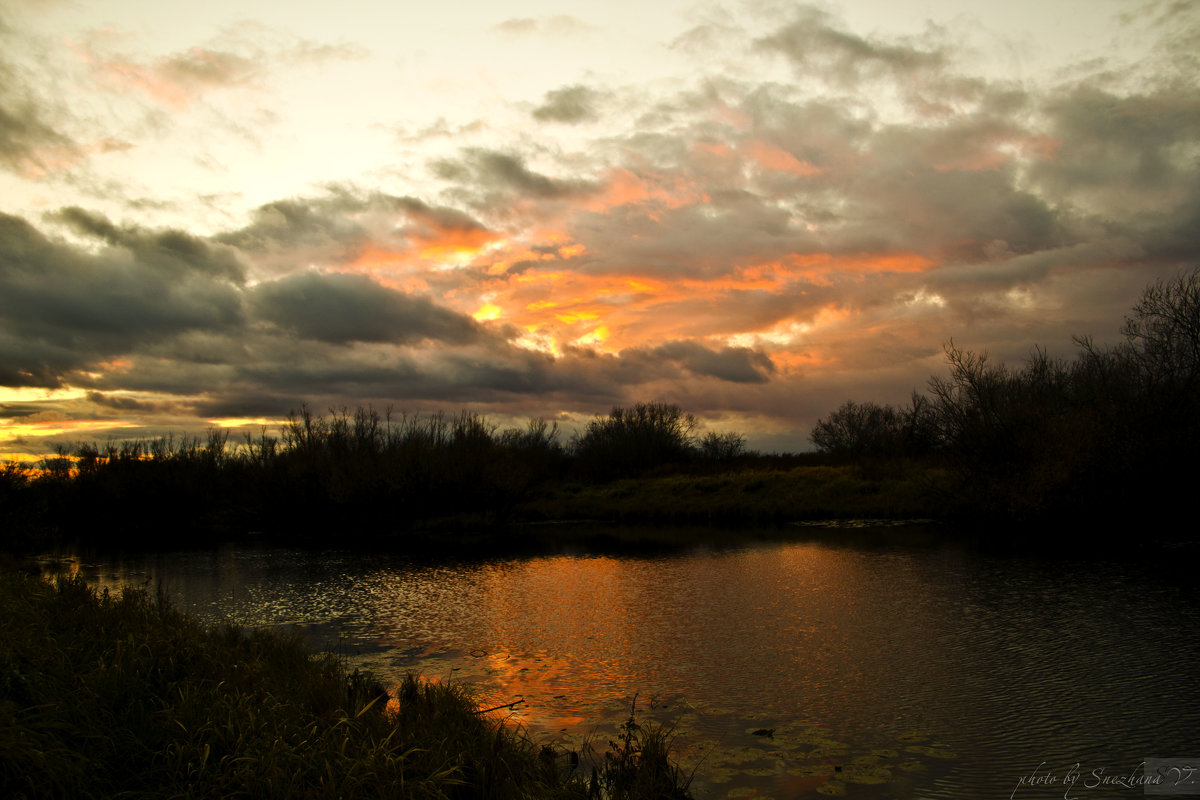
(902, 673)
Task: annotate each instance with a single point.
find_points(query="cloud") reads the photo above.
(340, 308)
(64, 309)
(33, 138)
(241, 57)
(490, 173)
(345, 228)
(169, 251)
(556, 26)
(28, 146)
(322, 229)
(815, 45)
(570, 104)
(120, 403)
(1121, 154)
(733, 364)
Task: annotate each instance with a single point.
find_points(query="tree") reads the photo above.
(722, 448)
(1164, 330)
(873, 430)
(630, 441)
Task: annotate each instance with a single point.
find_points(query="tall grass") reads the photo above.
(638, 764)
(122, 696)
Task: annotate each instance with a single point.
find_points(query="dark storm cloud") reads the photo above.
(341, 308)
(733, 364)
(62, 309)
(275, 376)
(569, 104)
(171, 251)
(118, 403)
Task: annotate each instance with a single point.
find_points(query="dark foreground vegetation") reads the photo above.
(1107, 436)
(104, 696)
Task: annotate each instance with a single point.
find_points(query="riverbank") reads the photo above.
(105, 695)
(222, 504)
(749, 497)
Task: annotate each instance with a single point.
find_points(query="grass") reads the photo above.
(124, 696)
(750, 497)
(638, 764)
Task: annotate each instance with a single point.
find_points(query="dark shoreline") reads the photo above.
(161, 705)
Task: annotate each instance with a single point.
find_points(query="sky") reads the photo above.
(214, 213)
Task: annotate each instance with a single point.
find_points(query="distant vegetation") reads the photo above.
(1110, 434)
(105, 696)
(1101, 436)
(343, 475)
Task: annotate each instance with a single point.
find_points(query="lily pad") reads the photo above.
(865, 773)
(935, 752)
(811, 770)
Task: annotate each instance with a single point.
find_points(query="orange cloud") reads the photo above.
(554, 305)
(557, 307)
(775, 158)
(624, 188)
(488, 311)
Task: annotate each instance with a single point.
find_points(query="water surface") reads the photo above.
(882, 671)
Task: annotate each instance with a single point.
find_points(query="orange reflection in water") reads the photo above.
(578, 637)
(576, 606)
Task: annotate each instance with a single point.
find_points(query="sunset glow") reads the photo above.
(754, 212)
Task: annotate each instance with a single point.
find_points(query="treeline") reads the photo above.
(338, 475)
(1111, 434)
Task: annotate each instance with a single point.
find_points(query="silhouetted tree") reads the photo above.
(1164, 331)
(873, 430)
(630, 441)
(722, 448)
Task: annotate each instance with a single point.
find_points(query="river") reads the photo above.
(793, 669)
